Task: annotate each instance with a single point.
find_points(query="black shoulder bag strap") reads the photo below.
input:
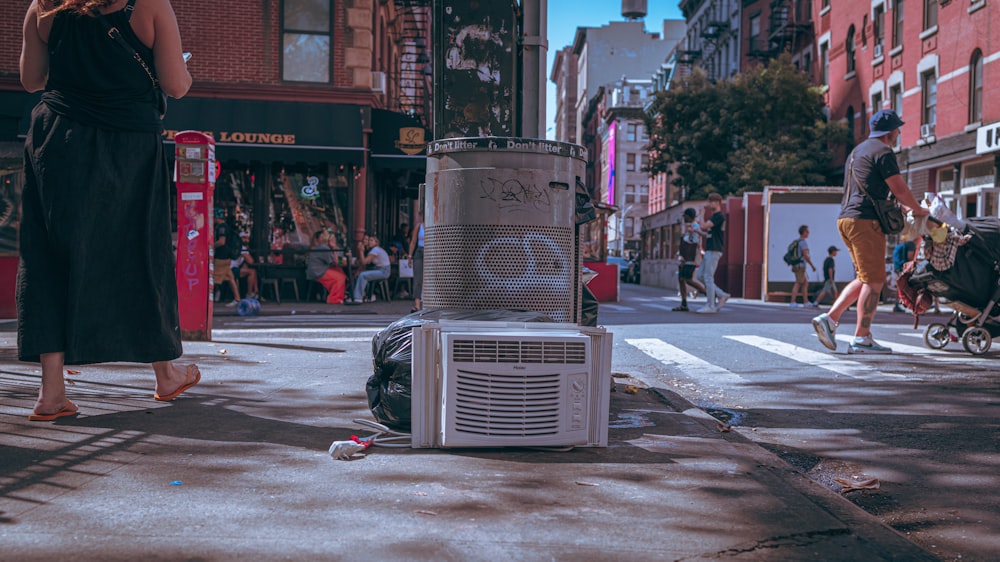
(113, 33)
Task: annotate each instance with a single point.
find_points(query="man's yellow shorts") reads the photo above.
(222, 272)
(866, 244)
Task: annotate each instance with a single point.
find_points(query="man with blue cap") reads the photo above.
(872, 164)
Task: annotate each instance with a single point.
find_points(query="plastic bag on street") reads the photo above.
(389, 387)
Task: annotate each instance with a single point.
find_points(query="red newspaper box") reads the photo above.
(195, 172)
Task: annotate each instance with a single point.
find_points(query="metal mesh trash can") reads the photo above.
(499, 225)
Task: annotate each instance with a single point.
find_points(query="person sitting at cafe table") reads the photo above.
(379, 259)
(243, 267)
(222, 270)
(321, 266)
(400, 242)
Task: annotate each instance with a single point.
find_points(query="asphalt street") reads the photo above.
(238, 467)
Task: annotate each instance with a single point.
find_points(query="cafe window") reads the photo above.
(306, 40)
(946, 180)
(11, 187)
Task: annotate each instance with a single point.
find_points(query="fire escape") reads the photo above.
(415, 63)
(715, 34)
(788, 30)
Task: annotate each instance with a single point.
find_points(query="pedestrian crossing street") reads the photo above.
(898, 365)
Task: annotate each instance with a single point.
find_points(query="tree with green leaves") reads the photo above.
(763, 127)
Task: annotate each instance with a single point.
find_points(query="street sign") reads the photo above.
(988, 138)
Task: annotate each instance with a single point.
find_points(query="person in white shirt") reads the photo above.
(382, 267)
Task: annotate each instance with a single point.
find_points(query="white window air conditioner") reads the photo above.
(926, 130)
(378, 81)
(510, 384)
(877, 51)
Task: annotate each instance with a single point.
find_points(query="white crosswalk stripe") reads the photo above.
(608, 307)
(935, 354)
(864, 368)
(693, 366)
(821, 359)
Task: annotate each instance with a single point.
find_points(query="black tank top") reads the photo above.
(95, 81)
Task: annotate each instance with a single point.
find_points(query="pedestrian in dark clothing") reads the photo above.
(713, 253)
(829, 271)
(96, 278)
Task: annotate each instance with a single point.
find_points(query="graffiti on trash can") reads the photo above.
(512, 195)
(542, 265)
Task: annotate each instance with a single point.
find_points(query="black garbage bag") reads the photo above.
(588, 310)
(388, 388)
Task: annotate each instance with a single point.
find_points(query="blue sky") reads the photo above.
(566, 15)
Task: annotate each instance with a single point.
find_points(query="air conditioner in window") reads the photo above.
(926, 130)
(378, 81)
(878, 51)
(516, 384)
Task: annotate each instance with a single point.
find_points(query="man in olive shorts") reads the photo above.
(872, 164)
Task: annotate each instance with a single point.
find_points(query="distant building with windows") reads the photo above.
(614, 63)
(624, 160)
(712, 40)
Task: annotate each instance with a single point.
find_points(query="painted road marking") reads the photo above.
(822, 359)
(693, 366)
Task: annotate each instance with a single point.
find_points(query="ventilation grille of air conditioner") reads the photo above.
(507, 405)
(509, 351)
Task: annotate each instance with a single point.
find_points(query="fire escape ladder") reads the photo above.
(414, 65)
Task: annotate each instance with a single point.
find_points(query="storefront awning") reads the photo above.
(272, 131)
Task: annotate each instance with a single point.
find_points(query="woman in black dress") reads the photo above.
(96, 276)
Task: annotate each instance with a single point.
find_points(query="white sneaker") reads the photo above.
(825, 329)
(721, 302)
(794, 305)
(868, 345)
(706, 310)
(232, 303)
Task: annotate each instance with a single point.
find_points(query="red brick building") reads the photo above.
(936, 62)
(296, 94)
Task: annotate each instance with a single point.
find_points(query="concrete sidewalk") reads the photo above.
(237, 469)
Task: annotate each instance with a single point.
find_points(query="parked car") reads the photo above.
(622, 264)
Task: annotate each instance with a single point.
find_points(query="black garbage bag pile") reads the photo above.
(389, 386)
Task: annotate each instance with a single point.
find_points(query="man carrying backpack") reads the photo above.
(799, 269)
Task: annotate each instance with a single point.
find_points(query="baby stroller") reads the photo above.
(964, 270)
